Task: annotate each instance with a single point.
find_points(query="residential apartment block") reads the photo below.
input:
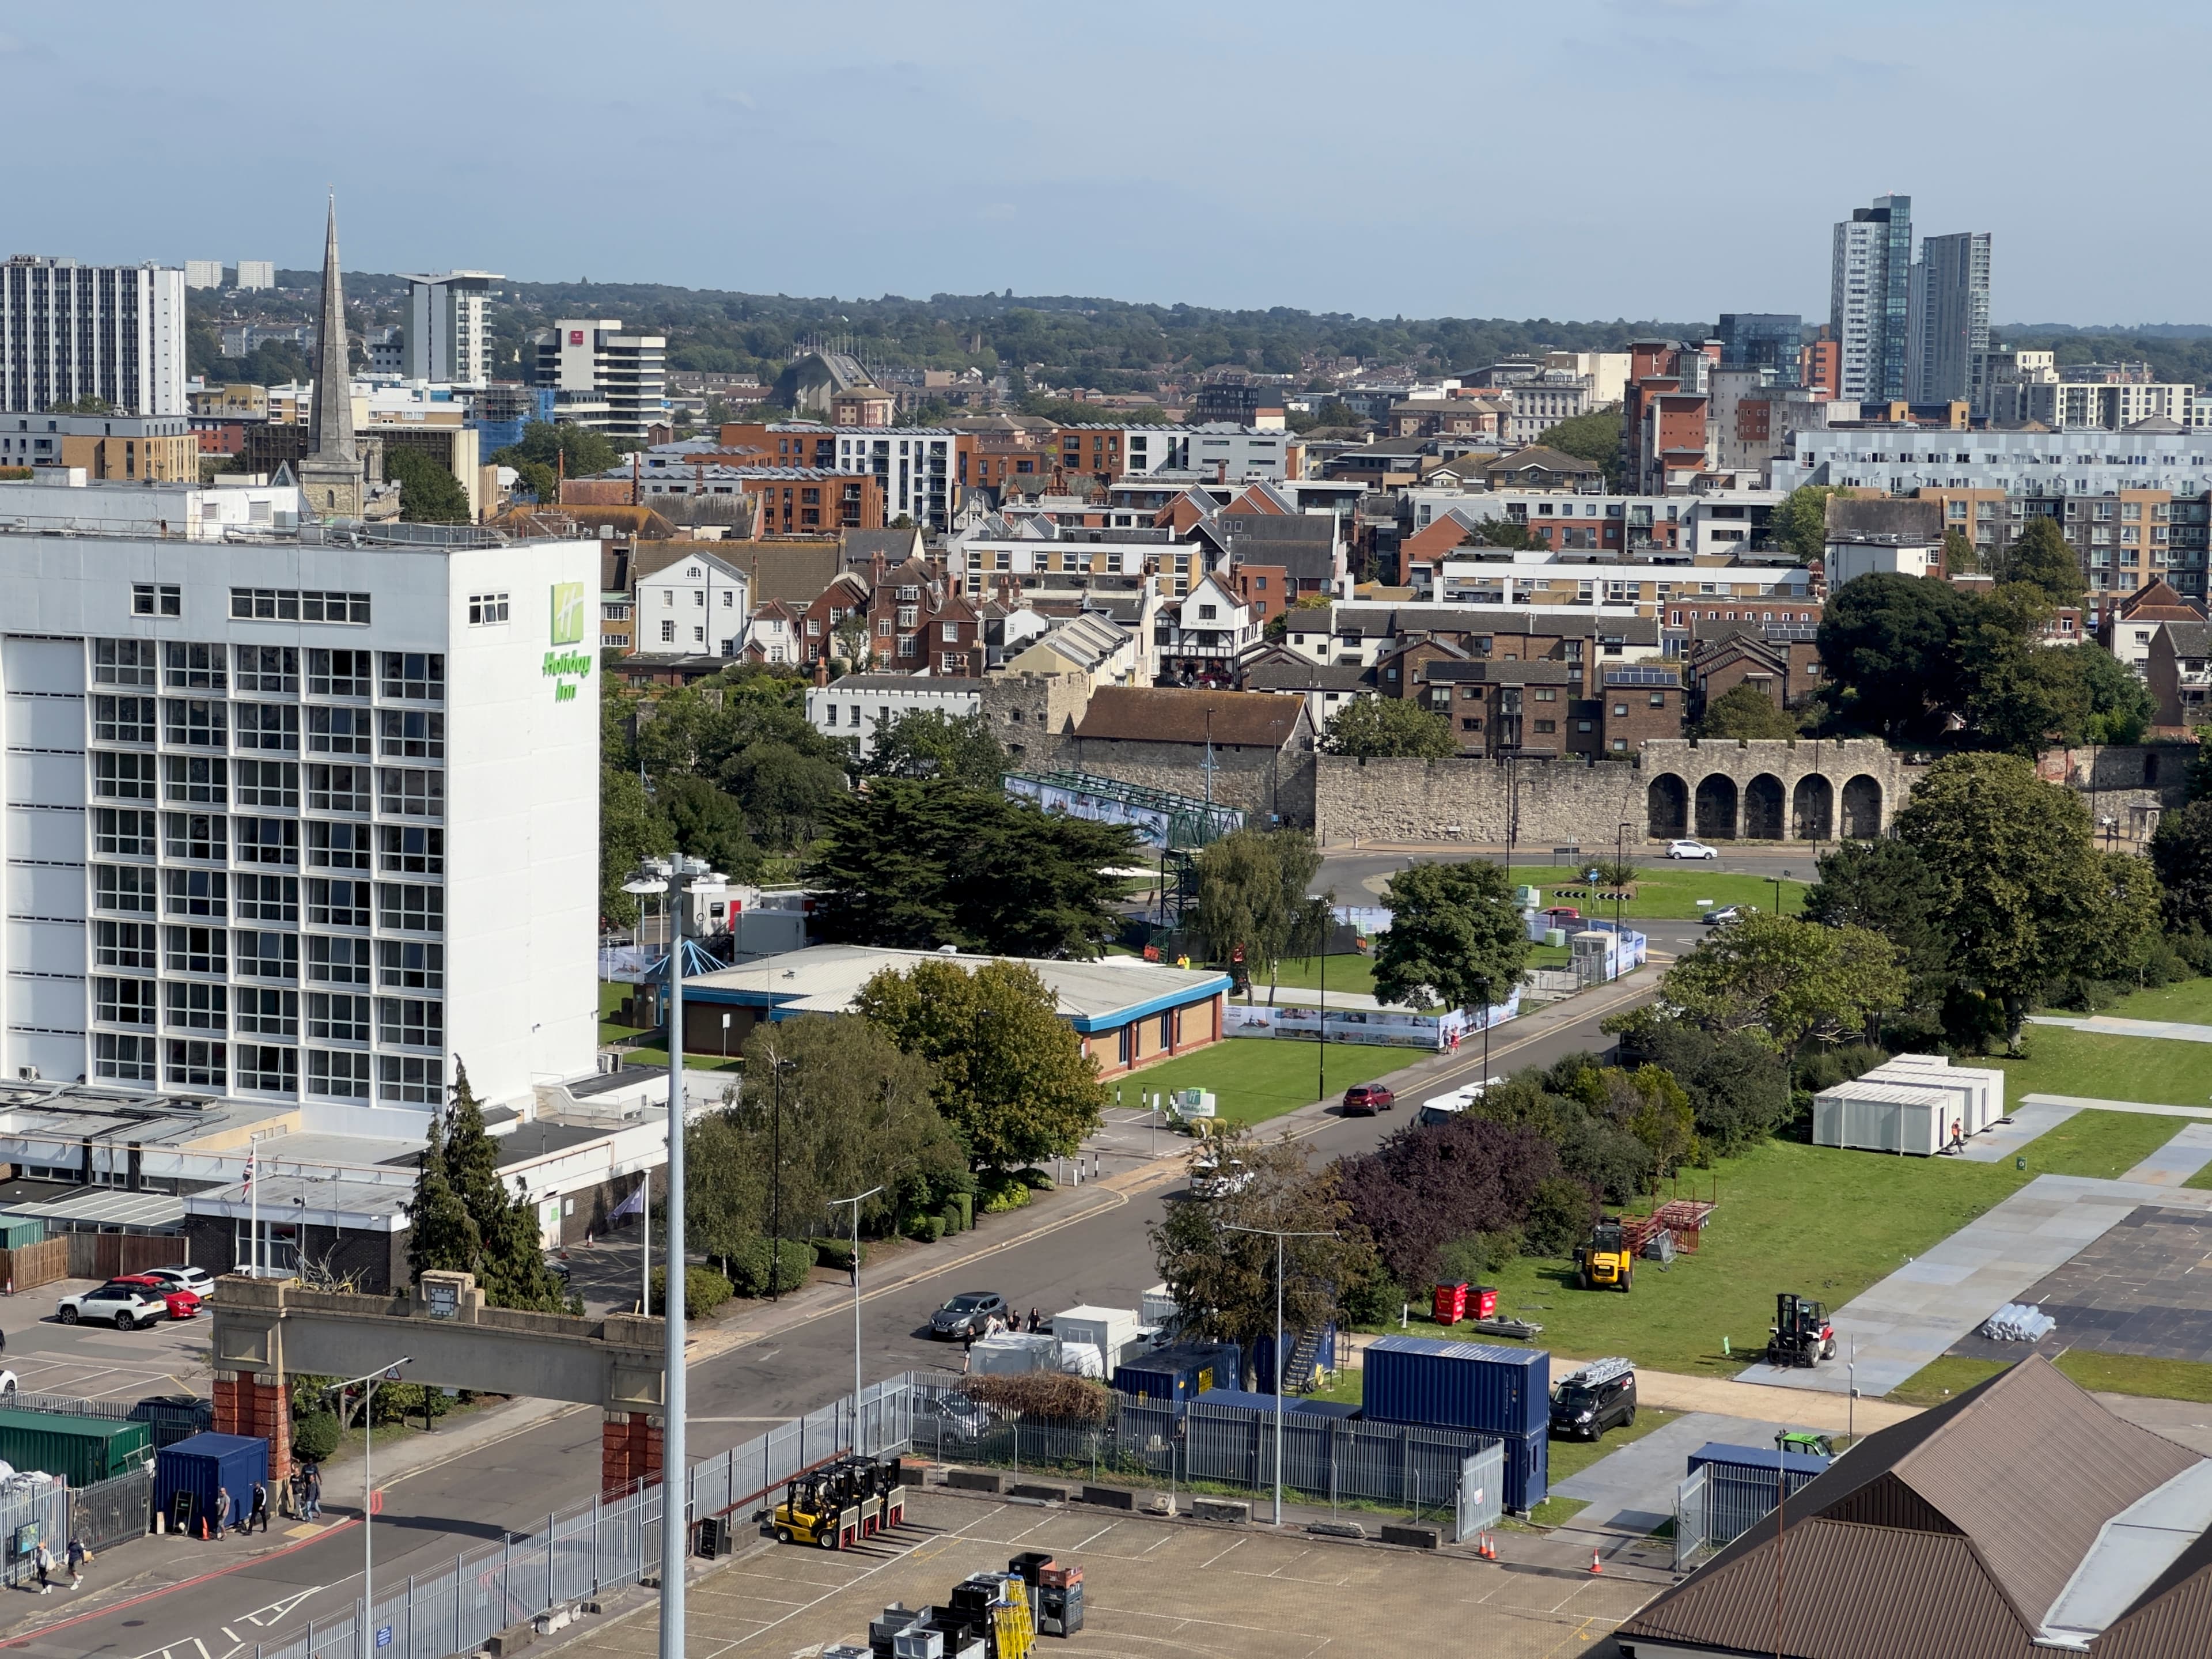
(445, 339)
(602, 378)
(1947, 316)
(143, 449)
(1869, 298)
(68, 331)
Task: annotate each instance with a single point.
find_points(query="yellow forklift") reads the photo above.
(1605, 1262)
(814, 1513)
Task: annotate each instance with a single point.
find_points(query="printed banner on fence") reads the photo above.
(1383, 1028)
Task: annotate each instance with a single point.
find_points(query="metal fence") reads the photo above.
(113, 1512)
(167, 1421)
(1422, 1471)
(31, 1515)
(590, 1548)
(1721, 1502)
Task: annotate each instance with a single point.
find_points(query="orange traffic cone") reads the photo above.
(1597, 1565)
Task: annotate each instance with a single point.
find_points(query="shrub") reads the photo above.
(314, 1437)
(704, 1289)
(953, 1220)
(1478, 1256)
(965, 1201)
(749, 1266)
(1003, 1192)
(1560, 1216)
(1035, 1179)
(926, 1228)
(2194, 947)
(1044, 1393)
(1374, 1300)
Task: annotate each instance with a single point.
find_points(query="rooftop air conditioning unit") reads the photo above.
(27, 1073)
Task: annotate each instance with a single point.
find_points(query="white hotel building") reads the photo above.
(293, 814)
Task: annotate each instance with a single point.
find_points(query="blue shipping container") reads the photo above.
(1740, 1487)
(201, 1465)
(1527, 1470)
(1263, 1354)
(1802, 1465)
(1180, 1373)
(1459, 1385)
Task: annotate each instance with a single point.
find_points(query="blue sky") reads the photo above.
(1583, 158)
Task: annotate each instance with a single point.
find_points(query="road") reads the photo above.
(429, 1517)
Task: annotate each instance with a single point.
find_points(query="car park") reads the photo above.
(195, 1280)
(126, 1307)
(1365, 1099)
(971, 1313)
(180, 1303)
(1691, 849)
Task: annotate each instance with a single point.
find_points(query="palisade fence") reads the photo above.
(1425, 1471)
(1717, 1504)
(112, 1512)
(589, 1549)
(31, 1515)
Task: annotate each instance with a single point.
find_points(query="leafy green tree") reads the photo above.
(1891, 643)
(1747, 711)
(2021, 693)
(920, 864)
(1455, 936)
(1885, 886)
(711, 826)
(2181, 854)
(1960, 557)
(86, 404)
(2027, 897)
(1593, 437)
(1224, 1280)
(1503, 532)
(537, 478)
(2041, 558)
(474, 1224)
(2121, 709)
(1791, 979)
(631, 830)
(1382, 728)
(1801, 522)
(928, 742)
(1011, 1076)
(580, 451)
(1253, 898)
(746, 733)
(429, 494)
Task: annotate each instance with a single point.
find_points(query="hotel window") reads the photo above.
(338, 903)
(123, 887)
(270, 1069)
(486, 609)
(123, 719)
(415, 676)
(266, 841)
(409, 1080)
(194, 667)
(269, 726)
(338, 731)
(406, 964)
(268, 783)
(196, 893)
(274, 668)
(124, 944)
(266, 898)
(124, 833)
(195, 949)
(123, 1001)
(337, 846)
(193, 1006)
(339, 789)
(123, 662)
(337, 961)
(267, 1012)
(197, 1064)
(264, 955)
(125, 1059)
(411, 1022)
(196, 722)
(413, 734)
(407, 792)
(338, 673)
(196, 835)
(337, 1019)
(411, 909)
(156, 599)
(413, 849)
(339, 1075)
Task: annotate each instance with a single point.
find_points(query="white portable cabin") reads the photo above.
(1883, 1117)
(1014, 1353)
(1978, 1090)
(1158, 1305)
(1112, 1331)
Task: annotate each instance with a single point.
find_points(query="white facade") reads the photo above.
(697, 606)
(62, 500)
(604, 379)
(445, 327)
(916, 466)
(2091, 462)
(1215, 451)
(203, 273)
(1209, 623)
(858, 707)
(68, 331)
(291, 820)
(256, 273)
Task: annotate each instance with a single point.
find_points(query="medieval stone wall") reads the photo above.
(1273, 787)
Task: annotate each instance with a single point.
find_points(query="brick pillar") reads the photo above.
(629, 1452)
(260, 1407)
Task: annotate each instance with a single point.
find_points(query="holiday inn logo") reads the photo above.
(567, 613)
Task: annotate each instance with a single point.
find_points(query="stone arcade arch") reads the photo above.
(1668, 800)
(1861, 808)
(1762, 808)
(1813, 817)
(1716, 804)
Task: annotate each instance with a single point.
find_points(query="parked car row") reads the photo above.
(130, 1300)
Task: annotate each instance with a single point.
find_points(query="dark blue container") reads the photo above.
(1801, 1466)
(1740, 1483)
(1263, 1354)
(1181, 1373)
(201, 1465)
(1459, 1385)
(1528, 1469)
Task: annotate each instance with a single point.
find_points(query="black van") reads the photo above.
(1599, 1396)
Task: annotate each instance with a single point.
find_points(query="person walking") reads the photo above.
(221, 1511)
(314, 1492)
(46, 1564)
(78, 1555)
(260, 1511)
(966, 1346)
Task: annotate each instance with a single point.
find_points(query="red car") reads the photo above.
(181, 1303)
(1563, 913)
(1368, 1098)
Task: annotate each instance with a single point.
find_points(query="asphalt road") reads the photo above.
(431, 1516)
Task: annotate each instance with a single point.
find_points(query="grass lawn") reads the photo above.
(2159, 1070)
(1669, 892)
(2103, 1373)
(1255, 1078)
(2188, 1000)
(692, 1062)
(1348, 971)
(1820, 1221)
(612, 995)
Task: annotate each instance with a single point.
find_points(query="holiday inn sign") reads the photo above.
(565, 668)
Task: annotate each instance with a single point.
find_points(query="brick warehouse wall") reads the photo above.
(246, 1404)
(1762, 789)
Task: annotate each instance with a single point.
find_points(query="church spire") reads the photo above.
(331, 427)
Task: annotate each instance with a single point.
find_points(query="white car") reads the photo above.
(1691, 849)
(195, 1280)
(126, 1307)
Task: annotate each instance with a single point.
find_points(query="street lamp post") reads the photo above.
(382, 1374)
(856, 1200)
(776, 1069)
(1777, 881)
(681, 878)
(1278, 1237)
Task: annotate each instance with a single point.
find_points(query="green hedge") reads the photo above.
(837, 1254)
(1035, 1179)
(749, 1266)
(314, 1437)
(928, 1229)
(704, 1289)
(1003, 1192)
(953, 1220)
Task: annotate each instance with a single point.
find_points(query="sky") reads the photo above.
(1646, 159)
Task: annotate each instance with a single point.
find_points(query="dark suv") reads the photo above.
(1367, 1099)
(1588, 1402)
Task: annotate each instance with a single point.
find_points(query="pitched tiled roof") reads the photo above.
(1132, 713)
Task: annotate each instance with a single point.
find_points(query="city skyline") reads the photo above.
(1135, 186)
